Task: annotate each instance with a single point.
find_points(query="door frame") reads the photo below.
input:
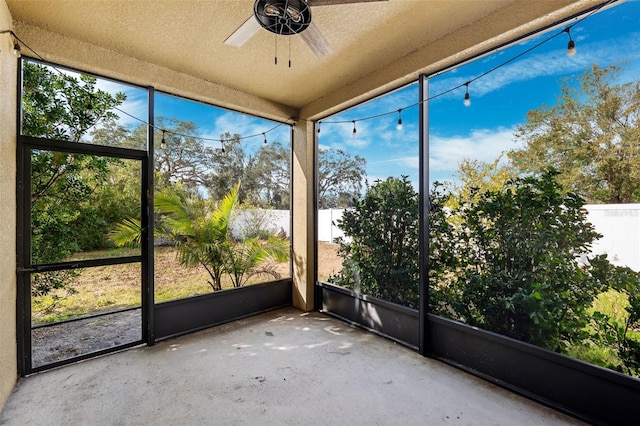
(23, 259)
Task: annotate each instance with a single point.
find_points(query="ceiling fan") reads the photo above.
(287, 17)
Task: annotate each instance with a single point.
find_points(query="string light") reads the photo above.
(163, 142)
(467, 97)
(571, 46)
(571, 49)
(289, 121)
(222, 149)
(16, 44)
(265, 139)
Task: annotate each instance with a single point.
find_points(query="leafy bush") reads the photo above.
(619, 331)
(510, 259)
(516, 269)
(201, 231)
(381, 251)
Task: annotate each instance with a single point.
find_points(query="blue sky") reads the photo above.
(499, 101)
(211, 121)
(482, 131)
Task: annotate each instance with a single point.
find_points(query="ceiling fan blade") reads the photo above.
(335, 2)
(244, 32)
(316, 41)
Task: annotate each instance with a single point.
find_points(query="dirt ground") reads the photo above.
(66, 340)
(69, 339)
(328, 261)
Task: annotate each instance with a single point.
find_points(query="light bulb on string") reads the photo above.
(467, 97)
(571, 46)
(265, 139)
(222, 150)
(571, 50)
(163, 142)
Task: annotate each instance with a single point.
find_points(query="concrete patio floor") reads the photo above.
(280, 368)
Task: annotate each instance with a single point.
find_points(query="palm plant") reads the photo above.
(250, 257)
(200, 231)
(202, 234)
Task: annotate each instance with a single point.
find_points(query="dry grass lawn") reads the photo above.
(107, 288)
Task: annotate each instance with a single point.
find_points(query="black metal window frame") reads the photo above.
(580, 389)
(25, 267)
(270, 295)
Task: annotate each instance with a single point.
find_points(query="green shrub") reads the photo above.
(381, 251)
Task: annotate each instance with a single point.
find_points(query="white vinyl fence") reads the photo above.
(272, 221)
(327, 230)
(618, 223)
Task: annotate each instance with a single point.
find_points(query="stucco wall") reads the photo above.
(303, 256)
(8, 360)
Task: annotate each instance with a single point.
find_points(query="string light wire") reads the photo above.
(466, 84)
(290, 121)
(354, 121)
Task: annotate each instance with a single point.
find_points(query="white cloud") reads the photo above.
(533, 65)
(445, 153)
(245, 126)
(340, 135)
(410, 162)
(136, 105)
(233, 122)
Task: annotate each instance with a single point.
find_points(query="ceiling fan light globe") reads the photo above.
(283, 17)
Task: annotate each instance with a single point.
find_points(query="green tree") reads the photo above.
(185, 158)
(111, 133)
(340, 178)
(228, 167)
(478, 176)
(590, 136)
(381, 249)
(515, 270)
(268, 175)
(59, 106)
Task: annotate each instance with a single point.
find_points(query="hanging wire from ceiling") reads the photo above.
(290, 121)
(571, 49)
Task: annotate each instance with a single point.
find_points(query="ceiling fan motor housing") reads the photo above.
(283, 17)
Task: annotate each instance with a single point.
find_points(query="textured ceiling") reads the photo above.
(375, 44)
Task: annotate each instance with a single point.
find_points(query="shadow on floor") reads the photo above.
(283, 367)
